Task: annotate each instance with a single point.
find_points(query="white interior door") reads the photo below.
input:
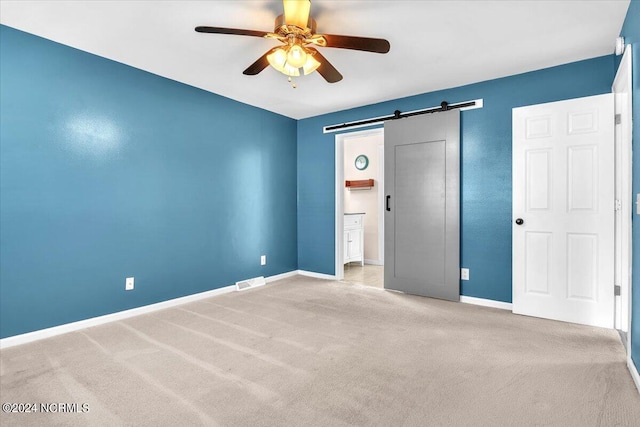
(563, 210)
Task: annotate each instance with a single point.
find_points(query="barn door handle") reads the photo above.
(388, 198)
(519, 221)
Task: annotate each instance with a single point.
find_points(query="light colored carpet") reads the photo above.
(307, 352)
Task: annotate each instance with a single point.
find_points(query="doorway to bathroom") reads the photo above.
(360, 207)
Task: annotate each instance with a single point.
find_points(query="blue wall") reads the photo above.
(631, 33)
(486, 167)
(108, 171)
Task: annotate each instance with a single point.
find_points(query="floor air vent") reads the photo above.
(250, 283)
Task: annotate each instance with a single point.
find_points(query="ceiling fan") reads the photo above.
(297, 32)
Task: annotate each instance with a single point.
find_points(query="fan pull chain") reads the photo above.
(293, 85)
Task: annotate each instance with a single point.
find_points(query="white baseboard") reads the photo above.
(373, 262)
(281, 276)
(316, 275)
(120, 315)
(634, 372)
(486, 302)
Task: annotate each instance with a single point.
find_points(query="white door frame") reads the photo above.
(624, 194)
(381, 203)
(339, 194)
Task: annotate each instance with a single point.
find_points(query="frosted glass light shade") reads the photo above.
(277, 59)
(310, 65)
(291, 71)
(296, 12)
(296, 57)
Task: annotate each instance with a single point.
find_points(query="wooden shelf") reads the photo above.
(359, 184)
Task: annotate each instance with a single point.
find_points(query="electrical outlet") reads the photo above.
(464, 274)
(263, 260)
(128, 284)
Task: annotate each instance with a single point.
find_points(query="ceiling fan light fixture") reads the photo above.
(278, 60)
(296, 30)
(296, 12)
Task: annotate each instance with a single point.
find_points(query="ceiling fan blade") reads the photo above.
(234, 31)
(357, 43)
(259, 65)
(296, 12)
(325, 69)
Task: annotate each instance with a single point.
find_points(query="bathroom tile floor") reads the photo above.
(369, 275)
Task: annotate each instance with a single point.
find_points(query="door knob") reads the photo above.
(519, 221)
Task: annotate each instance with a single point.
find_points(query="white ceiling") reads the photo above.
(434, 44)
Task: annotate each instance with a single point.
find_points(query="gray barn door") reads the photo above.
(422, 216)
